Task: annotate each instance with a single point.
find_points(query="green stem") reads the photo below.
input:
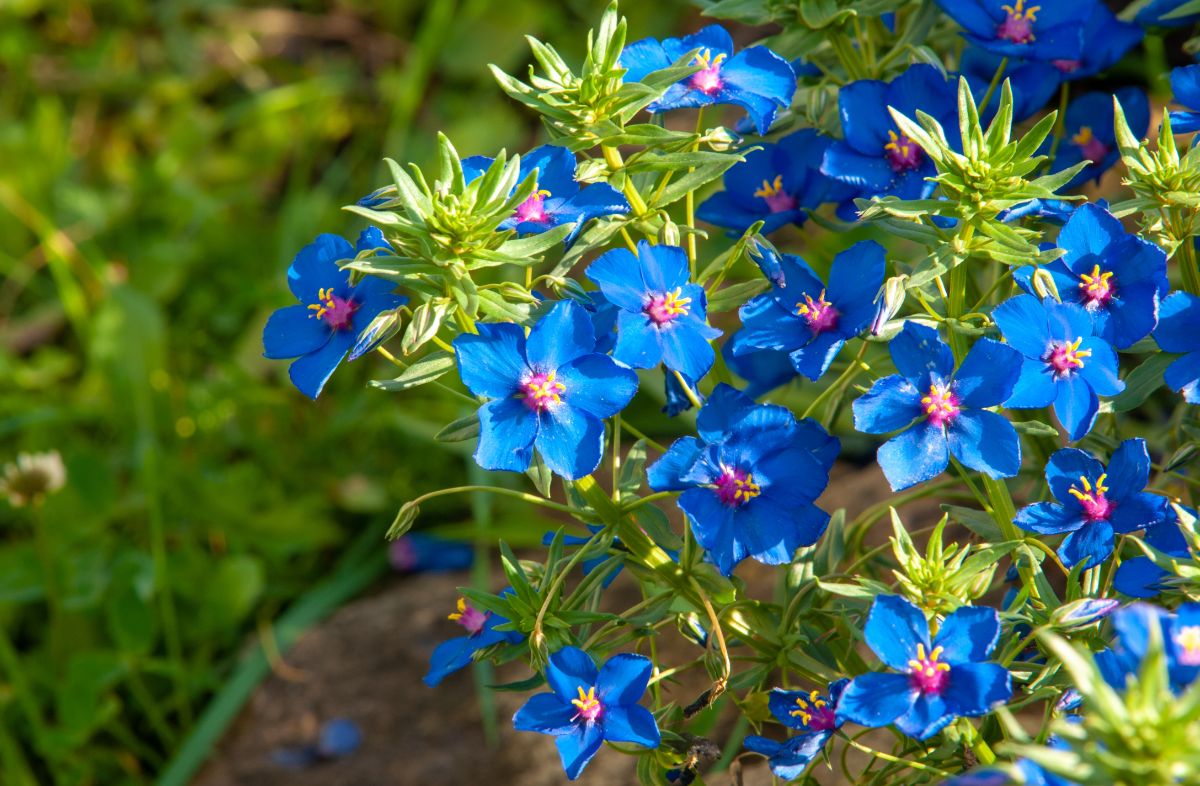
(612, 157)
(637, 433)
(1186, 254)
(914, 765)
(987, 97)
(956, 297)
(843, 380)
(1060, 123)
(521, 495)
(687, 390)
(690, 203)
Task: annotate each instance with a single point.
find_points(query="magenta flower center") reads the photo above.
(708, 79)
(815, 712)
(1096, 507)
(1066, 66)
(736, 487)
(941, 405)
(1018, 25)
(469, 617)
(928, 674)
(1092, 148)
(778, 200)
(542, 391)
(1097, 287)
(533, 209)
(666, 308)
(819, 314)
(1066, 358)
(338, 312)
(902, 153)
(1188, 641)
(587, 704)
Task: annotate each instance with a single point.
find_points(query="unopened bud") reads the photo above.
(721, 139)
(592, 171)
(890, 299)
(669, 234)
(1043, 284)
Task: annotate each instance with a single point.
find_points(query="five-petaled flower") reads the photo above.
(942, 411)
(756, 79)
(1089, 134)
(1139, 577)
(812, 714)
(1179, 331)
(1133, 625)
(457, 653)
(1106, 40)
(750, 480)
(1028, 29)
(662, 314)
(1094, 502)
(550, 391)
(1065, 364)
(939, 681)
(332, 311)
(588, 706)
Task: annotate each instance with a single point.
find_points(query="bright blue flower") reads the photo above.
(776, 184)
(1158, 13)
(662, 314)
(804, 317)
(940, 411)
(588, 706)
(418, 552)
(815, 718)
(1054, 211)
(1185, 84)
(873, 155)
(332, 311)
(1043, 30)
(557, 198)
(550, 392)
(938, 682)
(1133, 625)
(756, 79)
(1089, 134)
(750, 480)
(763, 369)
(1032, 82)
(1115, 276)
(1065, 364)
(1139, 577)
(1094, 502)
(457, 653)
(1106, 39)
(1179, 331)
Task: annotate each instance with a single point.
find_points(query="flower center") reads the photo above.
(665, 309)
(1018, 25)
(776, 198)
(587, 704)
(542, 391)
(941, 405)
(815, 713)
(1188, 640)
(533, 209)
(708, 79)
(1066, 358)
(928, 674)
(1092, 148)
(469, 617)
(736, 487)
(1097, 287)
(337, 312)
(1066, 66)
(1096, 507)
(902, 153)
(819, 314)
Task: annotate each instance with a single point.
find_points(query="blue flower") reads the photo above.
(937, 683)
(1159, 13)
(813, 715)
(874, 155)
(1089, 134)
(756, 79)
(1042, 30)
(418, 552)
(1106, 39)
(1185, 84)
(557, 198)
(676, 397)
(551, 391)
(1054, 211)
(776, 184)
(940, 411)
(1065, 364)
(763, 369)
(322, 329)
(1179, 331)
(1179, 633)
(1115, 276)
(1032, 82)
(457, 653)
(588, 706)
(1094, 502)
(749, 480)
(804, 317)
(1139, 577)
(662, 314)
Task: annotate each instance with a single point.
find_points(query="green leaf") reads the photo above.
(462, 429)
(1035, 428)
(1142, 381)
(131, 620)
(424, 371)
(730, 297)
(982, 524)
(526, 248)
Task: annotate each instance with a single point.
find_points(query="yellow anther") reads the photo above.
(674, 305)
(1019, 10)
(587, 703)
(1084, 136)
(462, 609)
(770, 189)
(1188, 638)
(812, 307)
(706, 60)
(1095, 282)
(1088, 494)
(903, 148)
(325, 302)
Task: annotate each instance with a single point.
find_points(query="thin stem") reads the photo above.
(576, 558)
(687, 390)
(690, 203)
(846, 376)
(914, 765)
(400, 364)
(625, 424)
(612, 157)
(640, 501)
(521, 495)
(616, 456)
(1060, 123)
(994, 84)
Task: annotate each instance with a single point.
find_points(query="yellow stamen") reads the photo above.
(586, 701)
(770, 189)
(462, 609)
(1088, 495)
(1084, 136)
(325, 298)
(810, 306)
(706, 60)
(1189, 639)
(1019, 11)
(903, 148)
(674, 305)
(1096, 282)
(929, 666)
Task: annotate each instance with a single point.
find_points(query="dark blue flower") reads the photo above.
(332, 312)
(1089, 135)
(942, 411)
(815, 718)
(662, 314)
(457, 653)
(418, 552)
(588, 706)
(776, 184)
(763, 369)
(1032, 82)
(1134, 625)
(1054, 211)
(874, 155)
(1115, 276)
(1161, 13)
(938, 682)
(550, 392)
(557, 198)
(1094, 502)
(1179, 331)
(1139, 577)
(1065, 364)
(1040, 30)
(1106, 39)
(1185, 84)
(749, 480)
(804, 317)
(756, 79)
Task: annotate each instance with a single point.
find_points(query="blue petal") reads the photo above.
(315, 267)
(1179, 323)
(570, 440)
(894, 629)
(638, 341)
(687, 351)
(876, 699)
(623, 679)
(987, 442)
(759, 81)
(1182, 375)
(507, 429)
(814, 359)
(712, 524)
(1076, 407)
(1128, 469)
(577, 749)
(1035, 387)
(1066, 467)
(928, 716)
(1090, 231)
(492, 363)
(988, 374)
(598, 384)
(1023, 322)
(975, 688)
(642, 58)
(1185, 84)
(917, 352)
(771, 532)
(845, 163)
(792, 758)
(1139, 578)
(662, 267)
(568, 670)
(310, 372)
(914, 456)
(564, 334)
(968, 634)
(293, 331)
(891, 404)
(666, 473)
(1100, 369)
(768, 325)
(1047, 518)
(616, 273)
(448, 657)
(632, 723)
(1138, 511)
(763, 745)
(862, 107)
(1090, 545)
(545, 713)
(854, 280)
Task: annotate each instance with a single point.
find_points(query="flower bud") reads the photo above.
(669, 234)
(1043, 284)
(721, 139)
(890, 301)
